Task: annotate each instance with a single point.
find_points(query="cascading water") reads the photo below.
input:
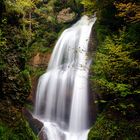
(62, 92)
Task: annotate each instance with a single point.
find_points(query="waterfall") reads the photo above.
(62, 92)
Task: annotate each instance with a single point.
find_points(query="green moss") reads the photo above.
(36, 71)
(29, 106)
(114, 129)
(13, 125)
(102, 32)
(22, 132)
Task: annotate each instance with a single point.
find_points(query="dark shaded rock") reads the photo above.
(35, 124)
(93, 96)
(42, 136)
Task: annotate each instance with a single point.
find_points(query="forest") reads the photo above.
(29, 30)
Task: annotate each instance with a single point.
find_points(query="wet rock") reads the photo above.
(93, 96)
(34, 123)
(42, 136)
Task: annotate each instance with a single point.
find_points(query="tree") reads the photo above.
(129, 11)
(89, 6)
(116, 72)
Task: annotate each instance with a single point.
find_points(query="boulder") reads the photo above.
(66, 15)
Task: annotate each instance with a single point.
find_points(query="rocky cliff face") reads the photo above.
(38, 61)
(92, 96)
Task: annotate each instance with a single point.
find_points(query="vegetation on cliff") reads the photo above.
(115, 71)
(28, 30)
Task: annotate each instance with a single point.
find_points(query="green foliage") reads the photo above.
(35, 71)
(20, 6)
(2, 39)
(128, 10)
(116, 75)
(75, 5)
(15, 81)
(2, 45)
(102, 31)
(133, 34)
(105, 12)
(89, 6)
(59, 5)
(20, 40)
(112, 129)
(13, 125)
(23, 132)
(25, 80)
(113, 67)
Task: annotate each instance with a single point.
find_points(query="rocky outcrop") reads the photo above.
(34, 123)
(93, 107)
(40, 60)
(66, 15)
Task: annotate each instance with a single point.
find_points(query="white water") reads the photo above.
(62, 93)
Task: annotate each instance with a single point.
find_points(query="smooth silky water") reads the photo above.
(62, 92)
